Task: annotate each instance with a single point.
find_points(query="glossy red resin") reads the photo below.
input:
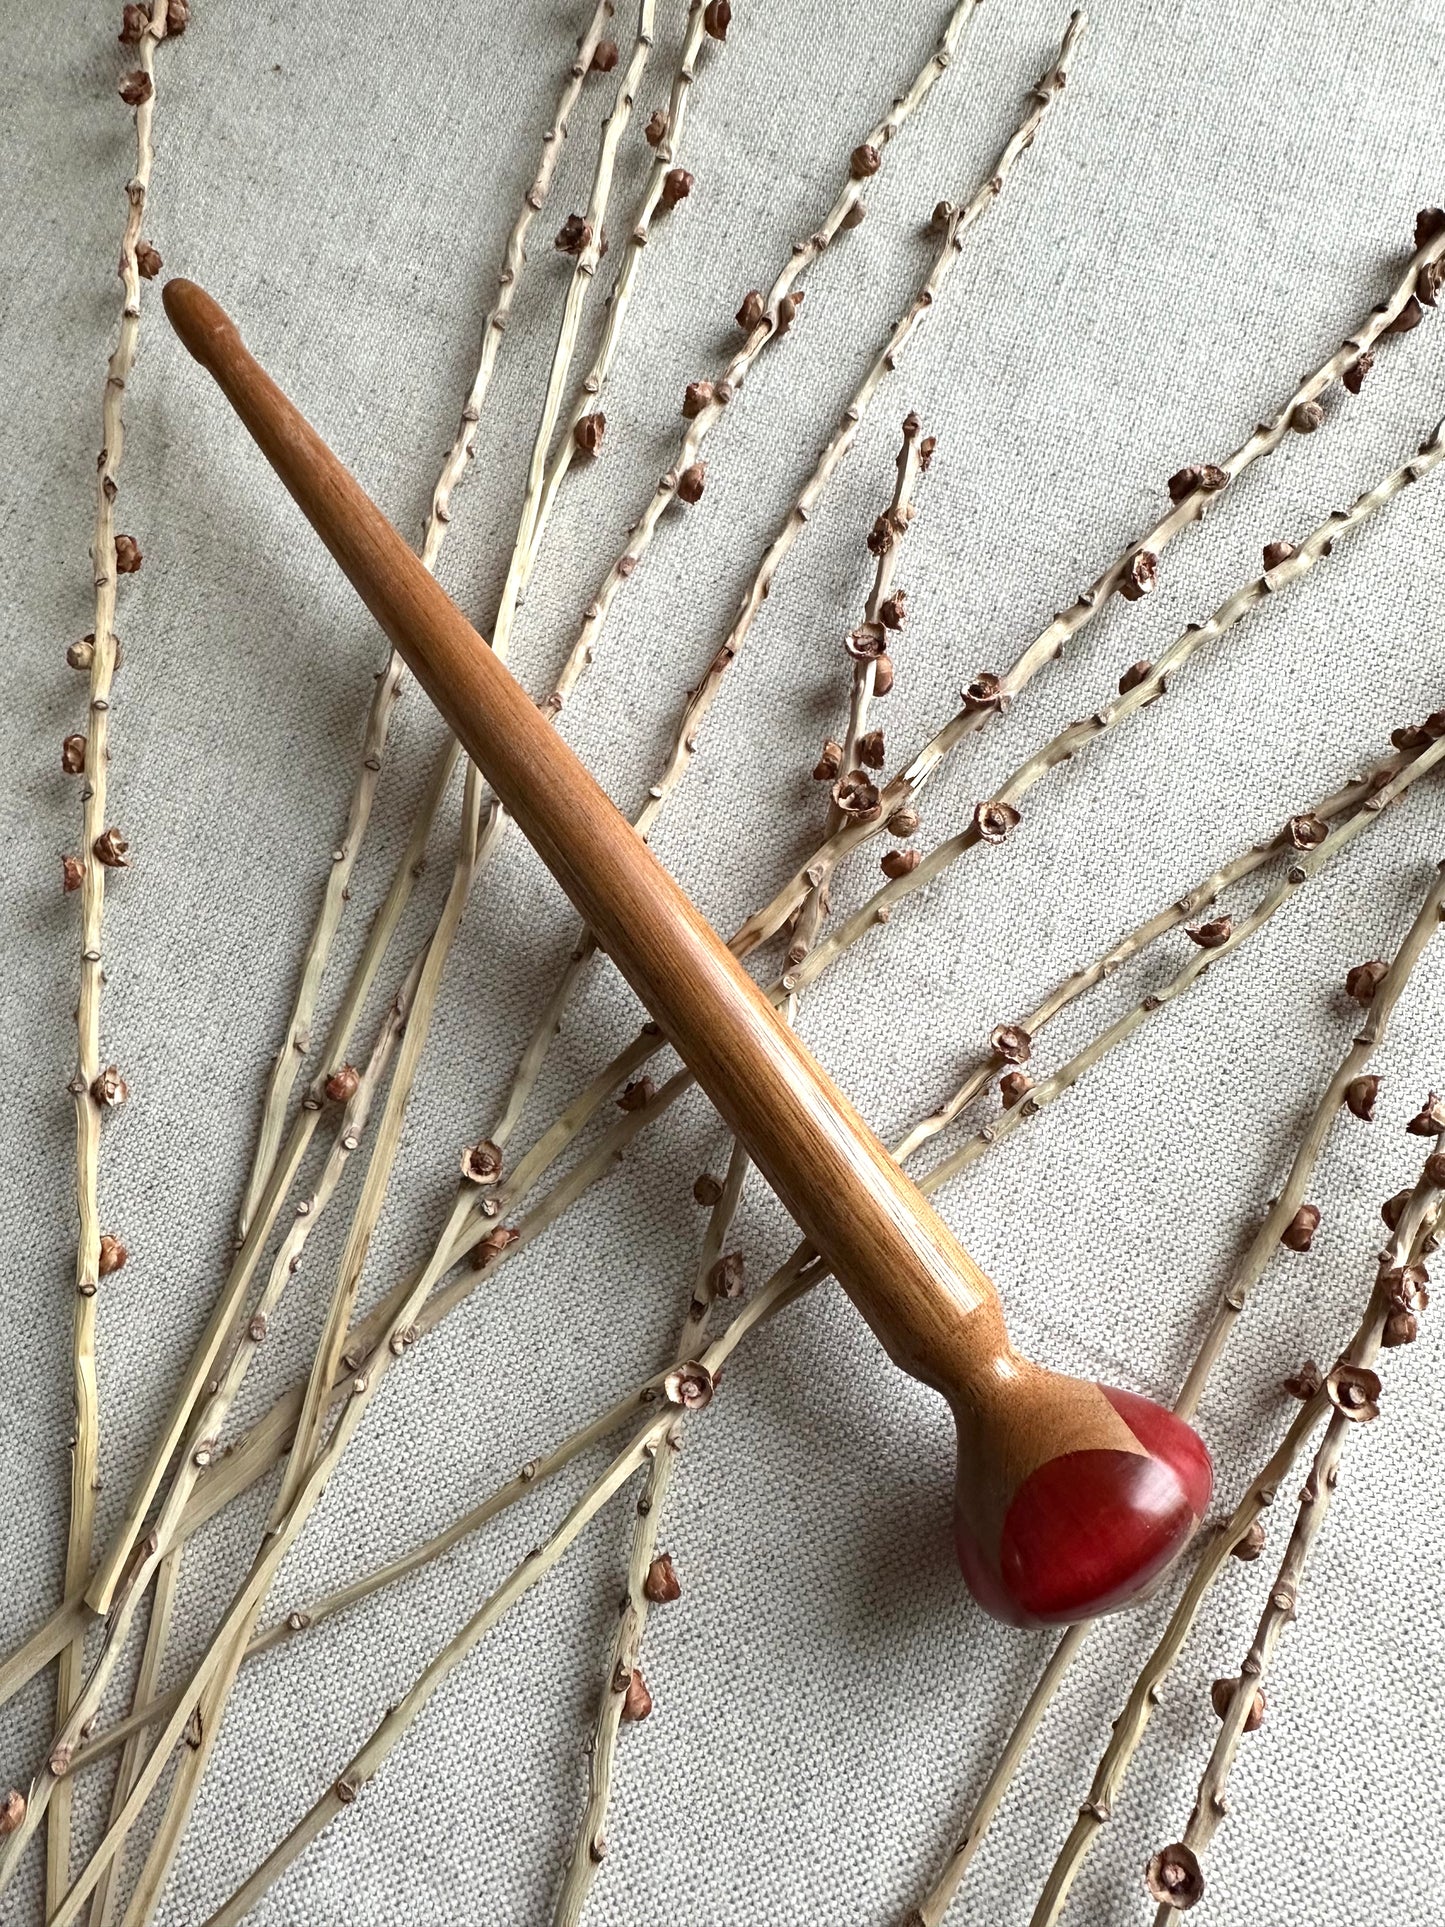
(1088, 1532)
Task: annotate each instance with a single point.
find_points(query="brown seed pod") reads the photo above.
(1136, 673)
(1209, 936)
(342, 1085)
(588, 431)
(1360, 1096)
(113, 1255)
(870, 749)
(637, 1094)
(655, 132)
(493, 1245)
(1411, 737)
(691, 482)
(1174, 1878)
(788, 310)
(695, 397)
(1307, 832)
(1201, 475)
(109, 1088)
(1304, 1383)
(1428, 283)
(1429, 1120)
(984, 692)
(1014, 1087)
(1365, 979)
(136, 87)
(883, 675)
(857, 797)
(636, 1701)
(1393, 1209)
(604, 57)
(72, 873)
(1434, 1172)
(1277, 552)
(706, 1189)
(1221, 1695)
(661, 1584)
(1429, 225)
(1401, 1328)
(1354, 375)
(482, 1163)
(904, 822)
(12, 1807)
(829, 763)
(134, 21)
(864, 161)
(128, 557)
(1354, 1392)
(893, 610)
(72, 755)
(899, 863)
(1012, 1043)
(1139, 575)
(751, 313)
(1299, 1233)
(927, 449)
(943, 212)
(853, 218)
(1251, 1545)
(1306, 418)
(111, 849)
(717, 18)
(148, 262)
(728, 1276)
(1410, 316)
(676, 186)
(80, 655)
(1407, 1288)
(178, 15)
(867, 642)
(994, 820)
(574, 235)
(691, 1386)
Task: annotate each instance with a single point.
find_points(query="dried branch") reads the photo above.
(1408, 1246)
(994, 819)
(103, 848)
(1133, 570)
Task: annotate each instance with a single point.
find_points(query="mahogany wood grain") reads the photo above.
(1069, 1500)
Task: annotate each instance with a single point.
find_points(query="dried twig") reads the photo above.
(1132, 572)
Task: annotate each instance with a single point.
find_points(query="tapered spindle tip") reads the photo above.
(201, 322)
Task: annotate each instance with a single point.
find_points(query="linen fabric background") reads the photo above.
(1220, 195)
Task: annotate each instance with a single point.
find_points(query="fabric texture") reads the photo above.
(1222, 193)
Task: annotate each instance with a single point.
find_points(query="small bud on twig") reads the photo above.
(109, 1088)
(904, 822)
(717, 18)
(1014, 1087)
(864, 161)
(1304, 1383)
(751, 312)
(482, 1163)
(1354, 375)
(695, 397)
(1307, 832)
(893, 610)
(636, 1095)
(856, 797)
(1434, 1172)
(1277, 552)
(136, 87)
(574, 235)
(1251, 1545)
(866, 643)
(1305, 419)
(148, 262)
(829, 763)
(134, 21)
(1136, 673)
(1221, 1694)
(870, 749)
(994, 820)
(883, 675)
(1209, 936)
(636, 1701)
(690, 1386)
(706, 1189)
(1401, 1328)
(1202, 475)
(493, 1245)
(342, 1085)
(1410, 316)
(12, 1807)
(72, 872)
(128, 557)
(655, 132)
(111, 849)
(1012, 1043)
(691, 482)
(1360, 1096)
(80, 655)
(1174, 1878)
(1393, 1209)
(1299, 1233)
(588, 432)
(1429, 1120)
(72, 755)
(661, 1584)
(1354, 1392)
(788, 310)
(855, 217)
(1365, 979)
(113, 1255)
(1139, 575)
(178, 15)
(676, 186)
(899, 863)
(728, 1276)
(604, 57)
(1429, 281)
